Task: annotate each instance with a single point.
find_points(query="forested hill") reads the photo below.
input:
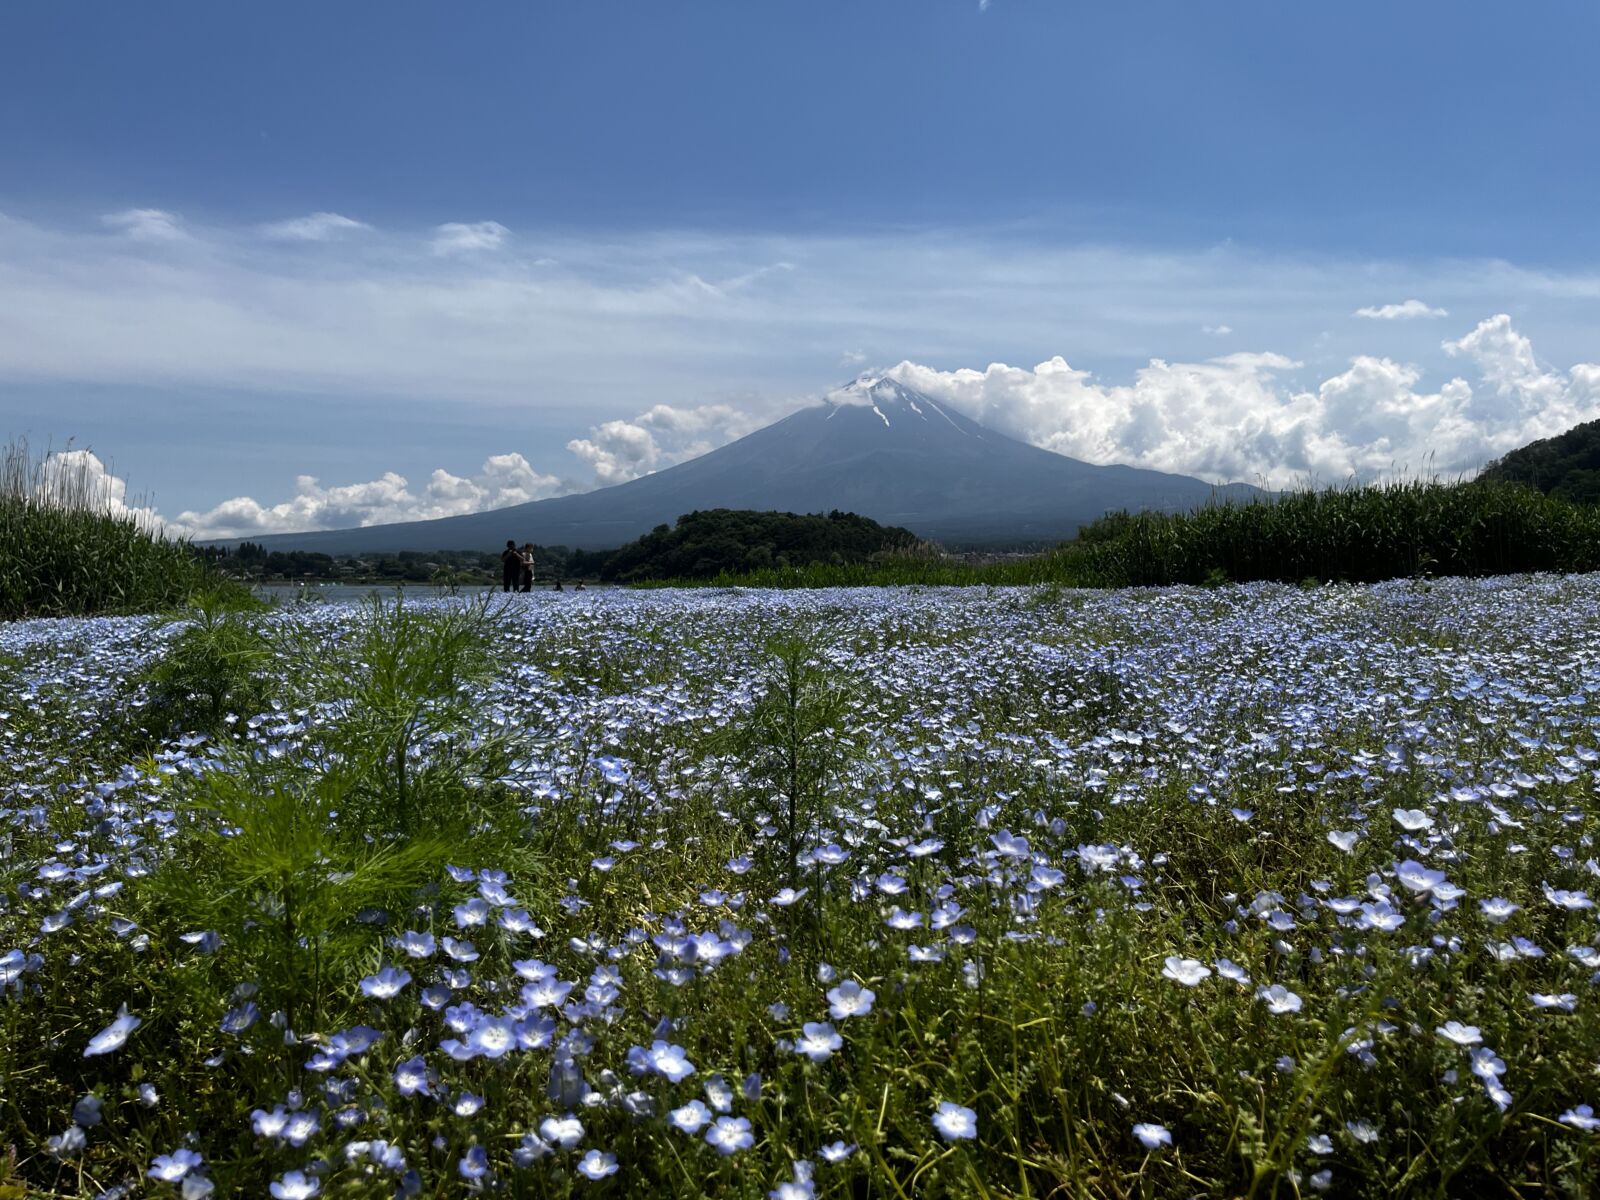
(1567, 465)
(704, 544)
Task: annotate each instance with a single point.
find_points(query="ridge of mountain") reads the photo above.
(875, 447)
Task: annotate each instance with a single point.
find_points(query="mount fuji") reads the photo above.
(875, 447)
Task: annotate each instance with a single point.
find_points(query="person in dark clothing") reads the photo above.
(510, 567)
(527, 566)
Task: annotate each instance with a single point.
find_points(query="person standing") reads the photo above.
(527, 566)
(510, 566)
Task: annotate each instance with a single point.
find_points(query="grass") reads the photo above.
(688, 819)
(65, 549)
(1351, 534)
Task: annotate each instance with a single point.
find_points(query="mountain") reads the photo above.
(1567, 465)
(876, 447)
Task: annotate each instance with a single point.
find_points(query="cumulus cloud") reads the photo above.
(314, 227)
(78, 479)
(457, 238)
(1235, 418)
(1407, 310)
(503, 480)
(1217, 330)
(617, 451)
(147, 224)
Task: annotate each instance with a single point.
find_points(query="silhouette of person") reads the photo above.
(510, 566)
(527, 566)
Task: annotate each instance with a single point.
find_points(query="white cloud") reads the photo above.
(617, 451)
(315, 227)
(78, 479)
(580, 333)
(1217, 330)
(1407, 310)
(503, 480)
(147, 224)
(1232, 418)
(456, 238)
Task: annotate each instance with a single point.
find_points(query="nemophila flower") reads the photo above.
(467, 1105)
(1581, 1117)
(1565, 1002)
(793, 1189)
(1497, 910)
(519, 920)
(818, 1041)
(416, 944)
(1418, 878)
(596, 1165)
(729, 1135)
(301, 1127)
(269, 1124)
(1152, 1136)
(837, 1152)
(68, 1143)
(565, 1132)
(1229, 969)
(86, 1111)
(669, 1061)
(237, 1020)
(690, 1118)
(1278, 999)
(171, 1168)
(955, 1122)
(719, 1094)
(196, 1187)
(1572, 900)
(295, 1185)
(850, 999)
(1461, 1035)
(1362, 1131)
(471, 912)
(1486, 1064)
(461, 951)
(1187, 971)
(474, 1163)
(1412, 820)
(114, 1036)
(1242, 815)
(1319, 1143)
(925, 954)
(492, 1037)
(386, 983)
(788, 895)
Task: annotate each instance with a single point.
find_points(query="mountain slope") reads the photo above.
(1567, 465)
(876, 448)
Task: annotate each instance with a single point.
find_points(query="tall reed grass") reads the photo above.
(1350, 534)
(67, 548)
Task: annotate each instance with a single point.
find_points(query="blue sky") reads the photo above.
(541, 222)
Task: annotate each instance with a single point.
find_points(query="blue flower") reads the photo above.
(295, 1185)
(386, 983)
(596, 1165)
(729, 1135)
(114, 1035)
(171, 1168)
(955, 1122)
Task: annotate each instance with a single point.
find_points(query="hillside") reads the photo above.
(706, 544)
(1567, 465)
(876, 448)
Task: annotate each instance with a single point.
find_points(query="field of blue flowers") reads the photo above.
(882, 892)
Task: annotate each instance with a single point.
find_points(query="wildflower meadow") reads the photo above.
(1240, 891)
